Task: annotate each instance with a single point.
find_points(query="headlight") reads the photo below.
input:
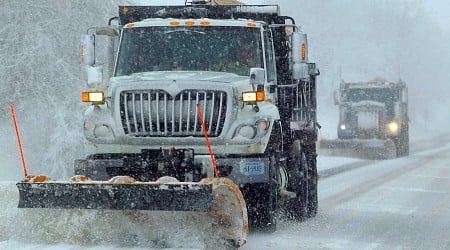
(393, 127)
(253, 96)
(342, 127)
(96, 97)
(248, 131)
(262, 124)
(103, 131)
(88, 125)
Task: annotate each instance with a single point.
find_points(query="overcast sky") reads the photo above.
(440, 9)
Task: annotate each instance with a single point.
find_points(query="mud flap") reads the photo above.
(218, 198)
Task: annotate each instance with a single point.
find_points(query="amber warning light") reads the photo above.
(303, 52)
(96, 97)
(253, 96)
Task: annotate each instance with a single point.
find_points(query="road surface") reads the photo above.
(363, 204)
(393, 204)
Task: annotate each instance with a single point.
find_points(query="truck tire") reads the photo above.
(406, 143)
(303, 177)
(312, 179)
(403, 143)
(261, 198)
(389, 150)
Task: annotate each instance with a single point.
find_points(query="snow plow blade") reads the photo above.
(172, 196)
(219, 199)
(358, 148)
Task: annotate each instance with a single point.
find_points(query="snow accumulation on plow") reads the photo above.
(216, 202)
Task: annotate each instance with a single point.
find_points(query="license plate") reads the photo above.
(253, 168)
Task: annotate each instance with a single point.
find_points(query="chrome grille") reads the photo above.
(367, 120)
(147, 113)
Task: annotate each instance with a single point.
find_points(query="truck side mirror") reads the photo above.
(87, 50)
(404, 96)
(300, 69)
(93, 74)
(336, 98)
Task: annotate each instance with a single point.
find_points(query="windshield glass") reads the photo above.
(211, 48)
(383, 95)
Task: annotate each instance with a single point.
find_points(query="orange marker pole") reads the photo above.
(205, 133)
(11, 107)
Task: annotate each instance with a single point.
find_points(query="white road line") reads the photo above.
(415, 190)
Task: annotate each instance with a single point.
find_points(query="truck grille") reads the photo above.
(368, 120)
(150, 113)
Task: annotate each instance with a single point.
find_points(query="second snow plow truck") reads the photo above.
(373, 120)
(200, 108)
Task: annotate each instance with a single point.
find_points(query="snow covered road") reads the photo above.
(394, 204)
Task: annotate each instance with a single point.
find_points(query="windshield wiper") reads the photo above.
(186, 31)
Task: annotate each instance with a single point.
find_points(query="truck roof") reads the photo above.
(197, 22)
(267, 13)
(377, 82)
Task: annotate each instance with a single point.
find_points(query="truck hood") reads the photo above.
(368, 105)
(183, 75)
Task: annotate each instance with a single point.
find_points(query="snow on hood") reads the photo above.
(367, 104)
(183, 75)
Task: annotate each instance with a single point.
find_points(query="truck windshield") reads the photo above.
(212, 48)
(383, 95)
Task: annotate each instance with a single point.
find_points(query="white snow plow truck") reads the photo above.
(373, 120)
(202, 108)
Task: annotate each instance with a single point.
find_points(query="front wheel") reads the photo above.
(403, 143)
(261, 199)
(303, 178)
